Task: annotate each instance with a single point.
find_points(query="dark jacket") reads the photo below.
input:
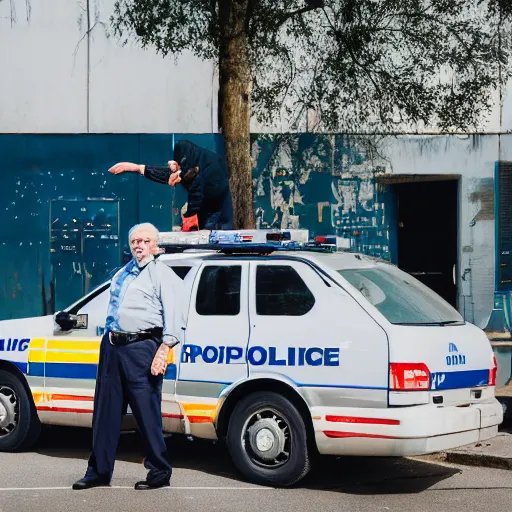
(205, 178)
(208, 189)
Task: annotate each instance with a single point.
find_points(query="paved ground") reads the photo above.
(205, 480)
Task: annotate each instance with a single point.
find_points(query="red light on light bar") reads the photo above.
(320, 239)
(279, 236)
(409, 377)
(493, 372)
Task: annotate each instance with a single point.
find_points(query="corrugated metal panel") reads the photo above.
(505, 225)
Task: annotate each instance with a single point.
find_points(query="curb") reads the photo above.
(485, 461)
(494, 453)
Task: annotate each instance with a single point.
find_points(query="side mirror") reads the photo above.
(68, 322)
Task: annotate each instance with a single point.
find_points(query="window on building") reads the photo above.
(218, 292)
(280, 291)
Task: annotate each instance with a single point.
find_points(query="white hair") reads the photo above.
(147, 228)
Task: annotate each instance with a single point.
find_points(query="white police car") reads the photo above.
(288, 348)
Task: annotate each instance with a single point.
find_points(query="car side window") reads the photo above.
(280, 291)
(218, 292)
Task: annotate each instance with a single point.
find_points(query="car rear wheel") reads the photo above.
(19, 424)
(267, 440)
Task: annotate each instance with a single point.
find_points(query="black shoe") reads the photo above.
(84, 483)
(144, 485)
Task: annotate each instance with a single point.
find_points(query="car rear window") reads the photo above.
(401, 298)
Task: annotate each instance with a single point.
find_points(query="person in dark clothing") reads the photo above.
(204, 176)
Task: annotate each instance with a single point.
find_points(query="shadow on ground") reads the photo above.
(353, 475)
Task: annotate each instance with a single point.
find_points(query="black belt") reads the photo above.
(125, 338)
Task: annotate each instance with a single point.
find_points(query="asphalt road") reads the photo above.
(205, 480)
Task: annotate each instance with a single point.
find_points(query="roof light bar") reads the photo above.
(241, 236)
(249, 241)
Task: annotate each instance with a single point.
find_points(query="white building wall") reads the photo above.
(62, 73)
(43, 82)
(473, 159)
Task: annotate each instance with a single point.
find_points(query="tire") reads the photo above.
(19, 424)
(262, 425)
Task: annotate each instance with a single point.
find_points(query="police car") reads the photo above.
(289, 348)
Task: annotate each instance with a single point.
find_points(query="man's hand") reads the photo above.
(126, 167)
(174, 179)
(159, 365)
(173, 165)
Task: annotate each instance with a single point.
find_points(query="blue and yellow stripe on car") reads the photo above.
(72, 359)
(78, 359)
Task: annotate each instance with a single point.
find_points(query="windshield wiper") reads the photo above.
(444, 322)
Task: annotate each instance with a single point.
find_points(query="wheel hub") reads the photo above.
(267, 439)
(8, 410)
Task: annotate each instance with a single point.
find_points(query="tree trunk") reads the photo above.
(235, 110)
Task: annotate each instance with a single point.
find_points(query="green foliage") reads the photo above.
(360, 65)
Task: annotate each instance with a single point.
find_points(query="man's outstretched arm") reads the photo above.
(156, 173)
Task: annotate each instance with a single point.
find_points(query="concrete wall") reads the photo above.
(62, 73)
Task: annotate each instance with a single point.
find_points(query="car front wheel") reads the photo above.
(267, 440)
(19, 425)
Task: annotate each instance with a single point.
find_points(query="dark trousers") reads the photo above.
(222, 219)
(124, 376)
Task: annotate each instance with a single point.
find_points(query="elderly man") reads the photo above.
(142, 326)
(205, 178)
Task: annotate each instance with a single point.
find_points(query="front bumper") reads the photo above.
(403, 431)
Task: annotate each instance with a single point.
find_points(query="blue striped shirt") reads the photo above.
(141, 299)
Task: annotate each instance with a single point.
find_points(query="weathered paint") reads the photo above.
(326, 183)
(305, 180)
(44, 170)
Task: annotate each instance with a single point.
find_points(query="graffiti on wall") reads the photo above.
(325, 183)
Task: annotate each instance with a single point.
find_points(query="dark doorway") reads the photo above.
(427, 233)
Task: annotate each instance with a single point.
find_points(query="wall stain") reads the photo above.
(483, 193)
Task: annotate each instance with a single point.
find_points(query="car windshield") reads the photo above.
(401, 298)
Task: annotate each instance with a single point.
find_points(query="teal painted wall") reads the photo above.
(322, 183)
(325, 183)
(42, 175)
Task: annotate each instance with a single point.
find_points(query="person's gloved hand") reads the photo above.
(190, 223)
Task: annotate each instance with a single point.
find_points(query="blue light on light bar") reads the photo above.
(259, 236)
